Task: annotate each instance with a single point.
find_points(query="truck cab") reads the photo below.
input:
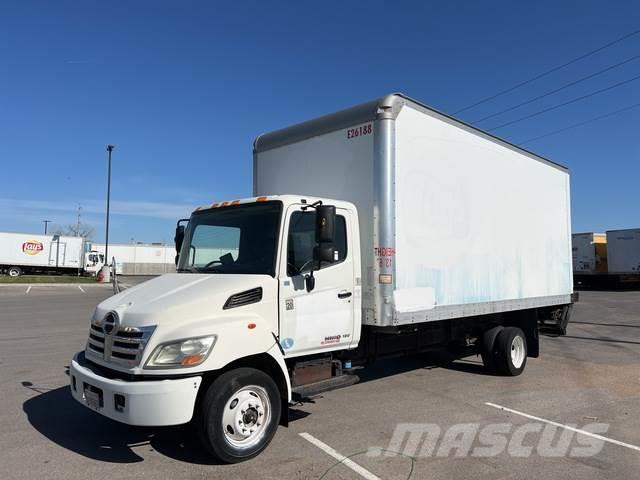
(93, 262)
(259, 282)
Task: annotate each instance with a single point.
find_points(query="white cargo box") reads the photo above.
(623, 248)
(454, 221)
(27, 249)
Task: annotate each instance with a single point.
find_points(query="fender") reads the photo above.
(489, 337)
(276, 353)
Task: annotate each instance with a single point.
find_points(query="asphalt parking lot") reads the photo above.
(590, 376)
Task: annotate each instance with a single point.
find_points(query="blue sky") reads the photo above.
(182, 88)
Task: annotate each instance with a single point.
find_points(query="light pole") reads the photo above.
(46, 222)
(106, 272)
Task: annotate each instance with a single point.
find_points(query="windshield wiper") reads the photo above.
(212, 270)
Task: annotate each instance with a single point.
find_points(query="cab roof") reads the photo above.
(288, 199)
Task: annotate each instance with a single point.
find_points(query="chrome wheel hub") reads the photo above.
(518, 351)
(246, 416)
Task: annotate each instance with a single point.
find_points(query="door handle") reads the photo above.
(344, 294)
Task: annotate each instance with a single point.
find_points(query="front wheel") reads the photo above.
(239, 415)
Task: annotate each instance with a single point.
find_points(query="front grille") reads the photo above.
(123, 346)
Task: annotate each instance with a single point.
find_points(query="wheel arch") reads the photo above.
(264, 362)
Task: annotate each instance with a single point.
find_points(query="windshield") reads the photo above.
(235, 239)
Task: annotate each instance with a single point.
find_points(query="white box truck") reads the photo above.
(406, 230)
(28, 253)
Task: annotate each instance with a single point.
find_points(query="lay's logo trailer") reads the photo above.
(32, 247)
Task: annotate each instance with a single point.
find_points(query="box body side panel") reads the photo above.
(476, 222)
(336, 165)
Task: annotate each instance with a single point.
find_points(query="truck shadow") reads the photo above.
(57, 416)
(420, 362)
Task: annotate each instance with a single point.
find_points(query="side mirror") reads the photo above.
(310, 282)
(325, 224)
(324, 250)
(179, 238)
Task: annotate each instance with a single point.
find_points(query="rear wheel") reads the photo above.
(510, 351)
(239, 415)
(14, 271)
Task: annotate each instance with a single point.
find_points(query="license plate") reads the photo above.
(92, 399)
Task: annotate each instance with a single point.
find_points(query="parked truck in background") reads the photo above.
(24, 253)
(28, 253)
(138, 258)
(406, 230)
(623, 247)
(610, 260)
(623, 250)
(589, 253)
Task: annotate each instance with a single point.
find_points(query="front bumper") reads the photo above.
(146, 403)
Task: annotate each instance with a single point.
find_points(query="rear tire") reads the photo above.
(510, 352)
(238, 415)
(14, 271)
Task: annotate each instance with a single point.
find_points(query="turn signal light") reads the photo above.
(192, 359)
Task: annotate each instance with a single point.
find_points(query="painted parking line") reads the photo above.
(363, 472)
(566, 427)
(80, 288)
(28, 289)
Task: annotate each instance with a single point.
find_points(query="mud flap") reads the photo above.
(557, 320)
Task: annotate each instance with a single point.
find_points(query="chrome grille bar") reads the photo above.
(124, 346)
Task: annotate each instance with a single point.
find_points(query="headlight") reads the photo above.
(185, 353)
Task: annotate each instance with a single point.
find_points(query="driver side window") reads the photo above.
(302, 240)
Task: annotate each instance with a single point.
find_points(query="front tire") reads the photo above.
(239, 415)
(511, 352)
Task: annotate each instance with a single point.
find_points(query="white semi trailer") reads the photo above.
(28, 253)
(589, 253)
(623, 249)
(411, 231)
(137, 258)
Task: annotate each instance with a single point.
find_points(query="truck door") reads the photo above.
(322, 319)
(57, 251)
